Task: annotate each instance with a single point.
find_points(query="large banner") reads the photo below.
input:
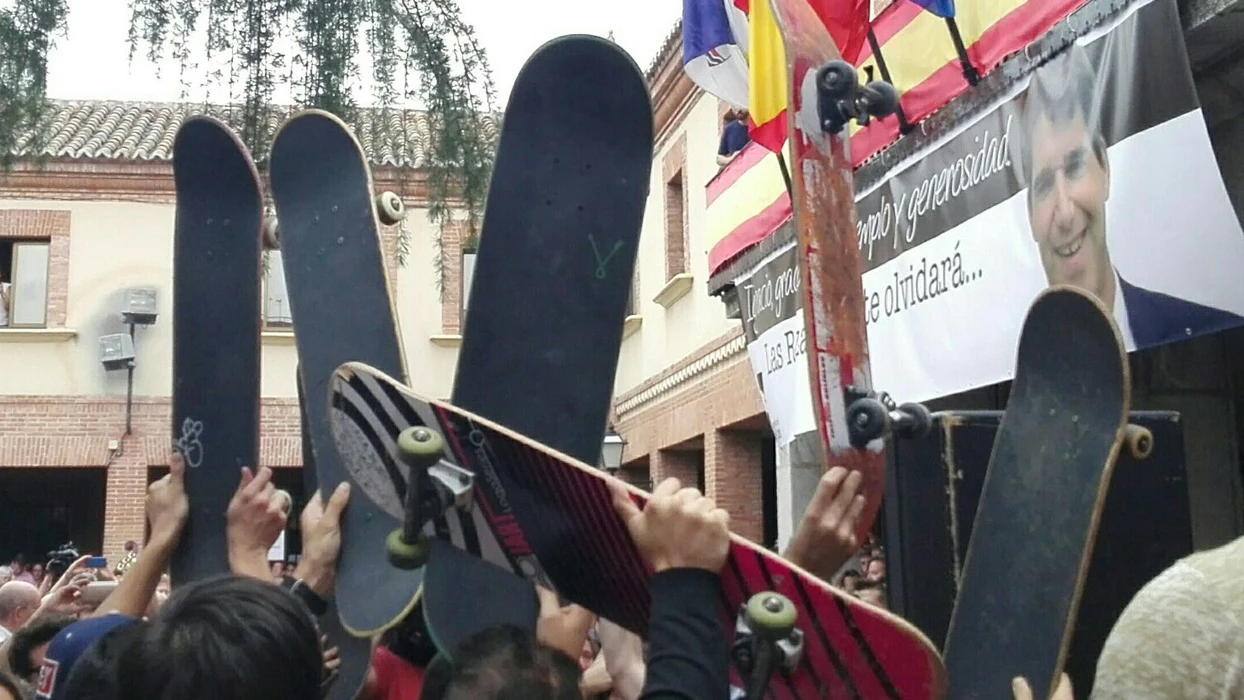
(769, 299)
(1096, 171)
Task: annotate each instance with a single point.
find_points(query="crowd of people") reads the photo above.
(253, 633)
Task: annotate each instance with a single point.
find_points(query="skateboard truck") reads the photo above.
(841, 98)
(389, 209)
(434, 487)
(766, 640)
(872, 415)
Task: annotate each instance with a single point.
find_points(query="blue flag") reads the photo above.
(942, 8)
(711, 55)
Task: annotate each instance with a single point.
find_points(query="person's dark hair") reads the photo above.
(226, 638)
(39, 632)
(506, 663)
(1060, 92)
(14, 686)
(94, 675)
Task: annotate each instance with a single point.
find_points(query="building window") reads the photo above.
(468, 275)
(24, 266)
(675, 226)
(276, 313)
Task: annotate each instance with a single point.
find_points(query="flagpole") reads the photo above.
(875, 45)
(969, 71)
(785, 175)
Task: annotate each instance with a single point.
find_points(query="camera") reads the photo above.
(60, 558)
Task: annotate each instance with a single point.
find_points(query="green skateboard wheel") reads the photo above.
(420, 446)
(406, 555)
(771, 615)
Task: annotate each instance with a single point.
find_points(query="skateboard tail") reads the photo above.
(561, 232)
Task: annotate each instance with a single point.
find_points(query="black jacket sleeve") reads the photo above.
(687, 653)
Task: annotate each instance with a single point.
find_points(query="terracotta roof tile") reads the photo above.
(673, 42)
(145, 130)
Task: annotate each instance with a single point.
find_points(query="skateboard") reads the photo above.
(549, 518)
(216, 322)
(852, 419)
(464, 594)
(1041, 500)
(353, 652)
(561, 232)
(327, 228)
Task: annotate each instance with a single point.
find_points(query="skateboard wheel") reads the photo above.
(1139, 442)
(866, 421)
(420, 446)
(771, 615)
(838, 78)
(881, 98)
(406, 555)
(271, 234)
(921, 419)
(286, 500)
(390, 208)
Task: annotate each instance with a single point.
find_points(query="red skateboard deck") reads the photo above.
(548, 518)
(823, 200)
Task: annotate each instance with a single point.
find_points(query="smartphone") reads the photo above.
(97, 563)
(96, 591)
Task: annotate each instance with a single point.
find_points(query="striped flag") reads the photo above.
(923, 62)
(711, 55)
(847, 23)
(767, 79)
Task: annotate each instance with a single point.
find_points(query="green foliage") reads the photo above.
(27, 30)
(419, 50)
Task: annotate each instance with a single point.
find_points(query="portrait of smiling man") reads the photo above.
(1067, 168)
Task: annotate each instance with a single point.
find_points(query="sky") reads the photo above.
(91, 62)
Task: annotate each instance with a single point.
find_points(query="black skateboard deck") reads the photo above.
(342, 310)
(552, 279)
(1041, 500)
(354, 652)
(216, 326)
(557, 255)
(548, 518)
(496, 598)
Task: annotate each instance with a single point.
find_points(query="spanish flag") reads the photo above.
(747, 201)
(920, 56)
(769, 86)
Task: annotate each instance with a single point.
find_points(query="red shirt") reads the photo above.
(396, 678)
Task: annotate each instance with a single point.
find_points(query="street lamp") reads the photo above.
(611, 451)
